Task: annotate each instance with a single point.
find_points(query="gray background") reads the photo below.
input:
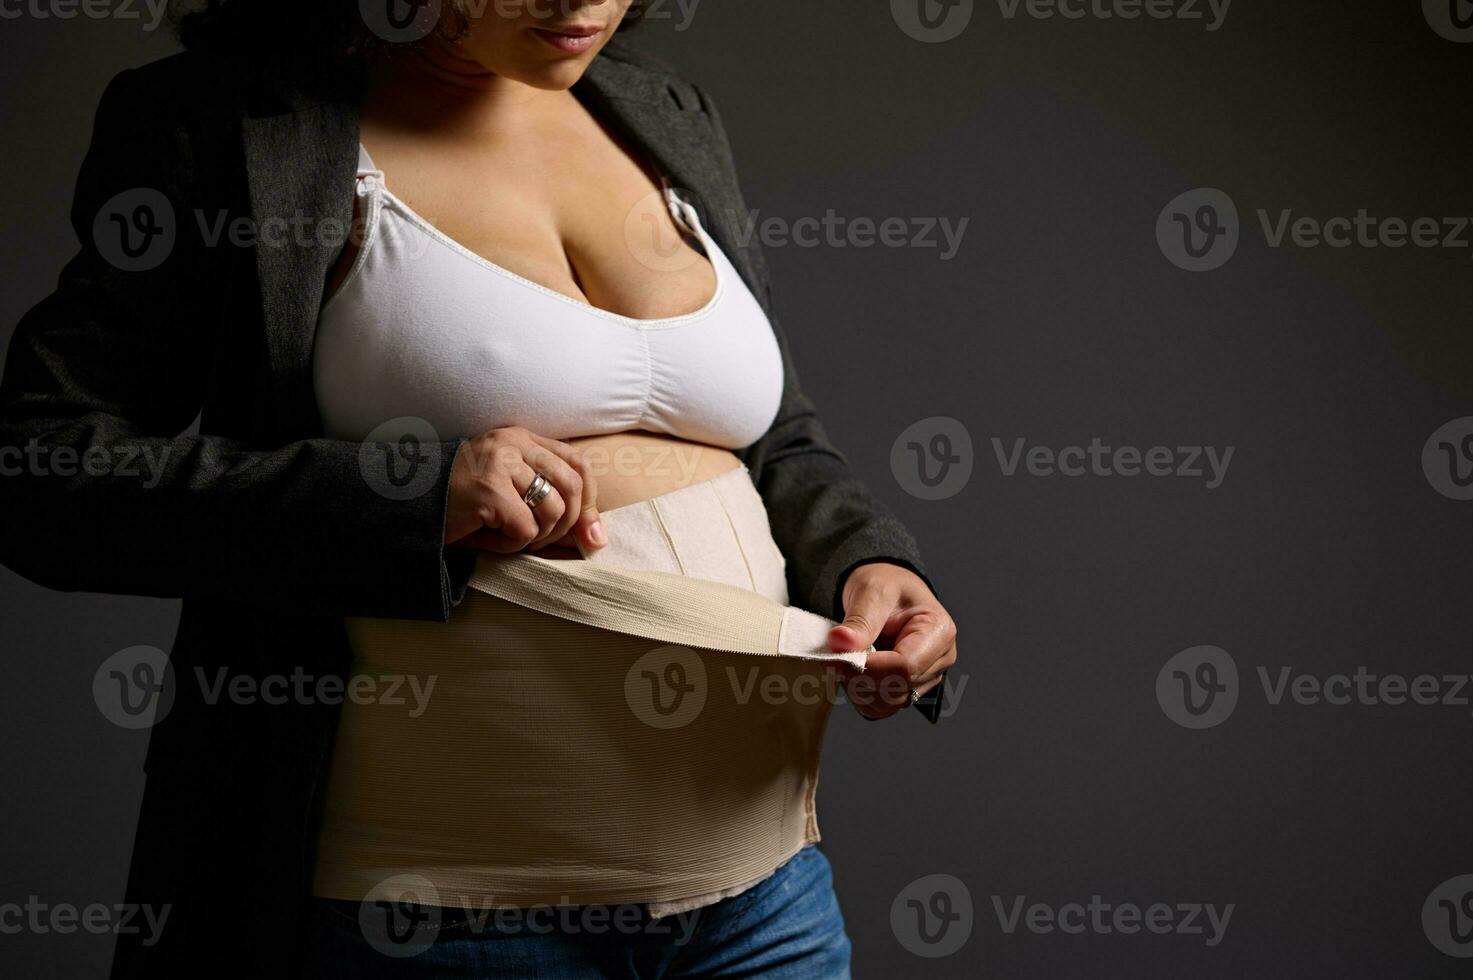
(1059, 777)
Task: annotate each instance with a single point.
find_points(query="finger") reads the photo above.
(589, 527)
(563, 548)
(926, 643)
(512, 519)
(936, 681)
(889, 681)
(546, 512)
(569, 541)
(879, 692)
(492, 540)
(567, 481)
(465, 504)
(866, 613)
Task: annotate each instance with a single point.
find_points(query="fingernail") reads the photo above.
(598, 534)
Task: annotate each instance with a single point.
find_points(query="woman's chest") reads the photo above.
(578, 216)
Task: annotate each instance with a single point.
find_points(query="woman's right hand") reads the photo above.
(488, 479)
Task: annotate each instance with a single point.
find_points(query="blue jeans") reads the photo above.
(788, 926)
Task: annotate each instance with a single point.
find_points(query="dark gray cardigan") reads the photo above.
(267, 530)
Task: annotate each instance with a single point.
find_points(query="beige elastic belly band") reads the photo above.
(640, 726)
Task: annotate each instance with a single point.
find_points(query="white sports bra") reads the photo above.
(425, 328)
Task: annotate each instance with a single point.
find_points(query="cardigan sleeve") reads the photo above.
(102, 486)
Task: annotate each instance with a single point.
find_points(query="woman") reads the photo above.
(527, 428)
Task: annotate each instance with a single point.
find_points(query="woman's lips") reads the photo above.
(572, 40)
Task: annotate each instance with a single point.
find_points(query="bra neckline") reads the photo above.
(680, 209)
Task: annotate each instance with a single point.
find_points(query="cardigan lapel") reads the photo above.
(661, 118)
(300, 166)
(301, 159)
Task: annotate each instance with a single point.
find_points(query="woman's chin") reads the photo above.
(556, 76)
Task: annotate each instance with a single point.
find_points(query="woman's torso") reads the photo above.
(556, 272)
(566, 207)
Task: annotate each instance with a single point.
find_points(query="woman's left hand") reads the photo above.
(888, 603)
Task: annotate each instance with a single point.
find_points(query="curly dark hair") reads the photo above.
(315, 34)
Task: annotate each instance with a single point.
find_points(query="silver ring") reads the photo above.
(914, 696)
(537, 491)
